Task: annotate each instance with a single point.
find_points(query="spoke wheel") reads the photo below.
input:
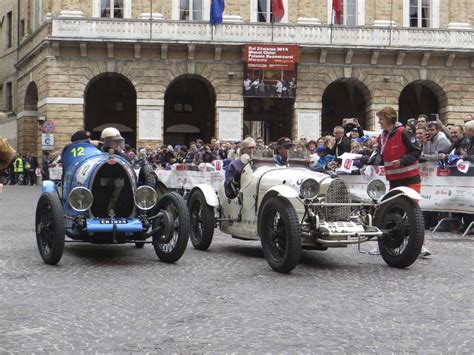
(402, 221)
(173, 250)
(280, 234)
(202, 221)
(50, 229)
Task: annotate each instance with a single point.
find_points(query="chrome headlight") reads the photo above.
(309, 189)
(376, 189)
(145, 198)
(80, 199)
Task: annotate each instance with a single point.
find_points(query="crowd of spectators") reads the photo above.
(22, 170)
(437, 142)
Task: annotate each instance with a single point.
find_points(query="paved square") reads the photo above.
(122, 299)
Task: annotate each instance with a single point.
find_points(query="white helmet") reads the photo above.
(110, 132)
(112, 139)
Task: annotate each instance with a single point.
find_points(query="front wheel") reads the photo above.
(172, 250)
(202, 221)
(402, 222)
(50, 228)
(280, 234)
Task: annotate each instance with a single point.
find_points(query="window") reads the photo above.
(191, 10)
(22, 29)
(9, 30)
(420, 13)
(264, 11)
(111, 8)
(353, 12)
(349, 12)
(9, 97)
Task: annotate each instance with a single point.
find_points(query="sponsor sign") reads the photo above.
(271, 57)
(447, 193)
(270, 70)
(442, 190)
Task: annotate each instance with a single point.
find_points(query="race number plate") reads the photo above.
(113, 221)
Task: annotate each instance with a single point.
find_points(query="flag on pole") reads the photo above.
(278, 9)
(337, 11)
(217, 8)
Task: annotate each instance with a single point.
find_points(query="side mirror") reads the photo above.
(245, 158)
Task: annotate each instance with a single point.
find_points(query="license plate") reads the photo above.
(113, 221)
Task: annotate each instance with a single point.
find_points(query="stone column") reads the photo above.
(458, 15)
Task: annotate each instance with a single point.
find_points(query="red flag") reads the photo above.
(278, 10)
(337, 8)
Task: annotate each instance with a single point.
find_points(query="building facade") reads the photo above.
(159, 72)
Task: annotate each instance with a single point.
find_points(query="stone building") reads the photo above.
(158, 71)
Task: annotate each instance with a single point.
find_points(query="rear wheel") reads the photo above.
(280, 234)
(50, 229)
(172, 250)
(402, 221)
(202, 221)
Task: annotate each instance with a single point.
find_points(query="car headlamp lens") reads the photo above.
(145, 197)
(376, 189)
(309, 189)
(80, 199)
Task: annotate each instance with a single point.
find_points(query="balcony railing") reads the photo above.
(95, 29)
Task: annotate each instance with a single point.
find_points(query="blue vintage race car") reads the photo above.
(103, 200)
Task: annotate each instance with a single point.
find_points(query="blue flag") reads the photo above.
(217, 8)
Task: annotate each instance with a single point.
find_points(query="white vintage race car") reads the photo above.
(293, 208)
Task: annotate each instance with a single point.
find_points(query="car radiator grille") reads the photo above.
(337, 192)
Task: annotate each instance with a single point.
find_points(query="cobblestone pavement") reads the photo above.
(122, 299)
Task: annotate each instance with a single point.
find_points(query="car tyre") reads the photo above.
(280, 234)
(147, 176)
(202, 221)
(403, 218)
(50, 228)
(173, 250)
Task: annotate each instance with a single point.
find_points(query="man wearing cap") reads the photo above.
(232, 174)
(283, 144)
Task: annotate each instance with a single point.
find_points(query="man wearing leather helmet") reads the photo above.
(232, 175)
(112, 139)
(283, 144)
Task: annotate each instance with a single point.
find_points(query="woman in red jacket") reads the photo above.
(400, 152)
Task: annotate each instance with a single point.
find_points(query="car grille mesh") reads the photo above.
(337, 193)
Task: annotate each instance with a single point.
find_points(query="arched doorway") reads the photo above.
(344, 99)
(419, 98)
(111, 101)
(28, 138)
(267, 117)
(190, 102)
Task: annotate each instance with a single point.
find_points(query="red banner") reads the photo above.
(271, 57)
